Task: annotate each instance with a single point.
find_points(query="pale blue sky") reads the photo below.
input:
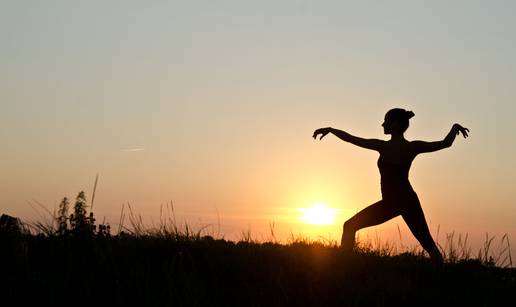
(223, 97)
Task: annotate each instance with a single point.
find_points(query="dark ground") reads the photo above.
(161, 271)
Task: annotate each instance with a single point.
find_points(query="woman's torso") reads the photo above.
(394, 165)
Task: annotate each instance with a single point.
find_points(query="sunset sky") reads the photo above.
(212, 105)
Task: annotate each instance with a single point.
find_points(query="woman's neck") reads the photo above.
(397, 137)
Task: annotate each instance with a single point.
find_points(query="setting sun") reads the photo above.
(318, 214)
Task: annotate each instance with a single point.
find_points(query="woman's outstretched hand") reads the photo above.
(322, 131)
(459, 129)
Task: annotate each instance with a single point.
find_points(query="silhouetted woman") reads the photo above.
(398, 197)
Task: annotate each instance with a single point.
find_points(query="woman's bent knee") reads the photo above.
(349, 226)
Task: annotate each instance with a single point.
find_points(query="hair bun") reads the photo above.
(409, 114)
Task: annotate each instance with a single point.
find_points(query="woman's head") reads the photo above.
(397, 120)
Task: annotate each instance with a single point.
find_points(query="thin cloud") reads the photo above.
(133, 149)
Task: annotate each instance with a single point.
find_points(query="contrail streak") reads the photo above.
(133, 149)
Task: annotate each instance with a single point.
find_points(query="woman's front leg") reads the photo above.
(375, 214)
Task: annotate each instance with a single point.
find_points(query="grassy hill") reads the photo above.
(178, 270)
(69, 260)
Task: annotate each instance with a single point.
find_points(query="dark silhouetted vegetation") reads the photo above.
(71, 261)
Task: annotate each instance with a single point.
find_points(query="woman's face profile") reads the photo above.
(389, 125)
(386, 126)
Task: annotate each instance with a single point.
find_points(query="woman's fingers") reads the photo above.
(316, 132)
(462, 130)
(321, 131)
(465, 132)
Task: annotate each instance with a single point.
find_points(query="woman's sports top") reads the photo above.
(394, 178)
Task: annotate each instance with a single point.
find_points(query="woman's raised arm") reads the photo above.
(422, 146)
(373, 144)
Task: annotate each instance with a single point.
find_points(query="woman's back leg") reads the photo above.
(415, 219)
